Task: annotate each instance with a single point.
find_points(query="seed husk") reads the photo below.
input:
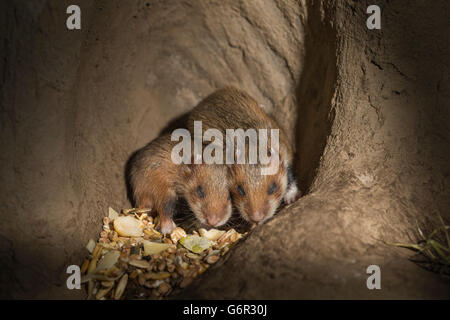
(113, 272)
(106, 220)
(142, 210)
(157, 276)
(177, 234)
(161, 266)
(181, 271)
(139, 263)
(99, 277)
(192, 273)
(92, 266)
(109, 260)
(103, 292)
(107, 284)
(133, 275)
(212, 259)
(195, 244)
(193, 256)
(171, 268)
(202, 268)
(224, 250)
(212, 234)
(152, 248)
(97, 251)
(90, 288)
(141, 279)
(128, 226)
(229, 236)
(90, 245)
(153, 284)
(112, 214)
(171, 250)
(121, 287)
(84, 266)
(134, 256)
(164, 288)
(104, 234)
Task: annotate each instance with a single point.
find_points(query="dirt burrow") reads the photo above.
(364, 109)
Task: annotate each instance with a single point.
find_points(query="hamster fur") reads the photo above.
(256, 196)
(157, 182)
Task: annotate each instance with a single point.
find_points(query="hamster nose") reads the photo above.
(213, 220)
(257, 216)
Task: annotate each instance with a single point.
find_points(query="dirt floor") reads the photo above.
(367, 111)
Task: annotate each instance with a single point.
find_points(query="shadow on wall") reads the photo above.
(314, 94)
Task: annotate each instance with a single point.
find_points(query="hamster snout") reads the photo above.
(213, 209)
(217, 218)
(257, 196)
(216, 209)
(206, 190)
(213, 220)
(258, 215)
(267, 210)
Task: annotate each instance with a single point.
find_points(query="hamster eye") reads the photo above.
(241, 190)
(229, 196)
(201, 192)
(272, 188)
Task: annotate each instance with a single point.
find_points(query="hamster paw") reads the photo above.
(292, 194)
(167, 226)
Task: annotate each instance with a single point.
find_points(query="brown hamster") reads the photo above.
(157, 182)
(256, 196)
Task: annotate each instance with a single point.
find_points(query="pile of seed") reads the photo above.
(132, 259)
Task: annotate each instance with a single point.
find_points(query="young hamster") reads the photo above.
(256, 196)
(157, 182)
